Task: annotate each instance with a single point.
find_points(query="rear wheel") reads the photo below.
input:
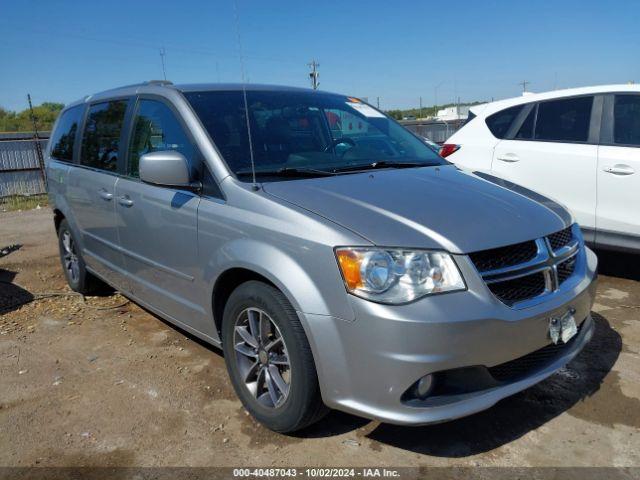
(73, 266)
(269, 359)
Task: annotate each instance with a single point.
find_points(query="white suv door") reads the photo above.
(551, 148)
(617, 218)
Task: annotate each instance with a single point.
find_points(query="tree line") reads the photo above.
(430, 111)
(45, 115)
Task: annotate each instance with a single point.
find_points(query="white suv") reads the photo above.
(579, 146)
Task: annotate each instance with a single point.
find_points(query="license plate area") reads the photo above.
(563, 328)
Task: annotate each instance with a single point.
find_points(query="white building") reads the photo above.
(457, 112)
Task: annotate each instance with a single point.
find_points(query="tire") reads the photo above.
(78, 278)
(298, 405)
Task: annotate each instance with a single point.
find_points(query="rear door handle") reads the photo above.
(619, 169)
(125, 201)
(508, 157)
(105, 195)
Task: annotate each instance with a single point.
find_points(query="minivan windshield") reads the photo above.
(303, 134)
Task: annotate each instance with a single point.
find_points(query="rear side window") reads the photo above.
(156, 129)
(101, 139)
(64, 135)
(526, 129)
(626, 120)
(500, 122)
(564, 120)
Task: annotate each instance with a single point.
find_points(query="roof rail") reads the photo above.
(158, 82)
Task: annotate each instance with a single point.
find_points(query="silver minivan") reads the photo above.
(337, 260)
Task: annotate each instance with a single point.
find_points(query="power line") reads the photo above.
(314, 74)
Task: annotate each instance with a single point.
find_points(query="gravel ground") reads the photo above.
(102, 382)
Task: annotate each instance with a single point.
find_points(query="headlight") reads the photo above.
(397, 276)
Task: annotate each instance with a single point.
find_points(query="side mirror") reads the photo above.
(167, 168)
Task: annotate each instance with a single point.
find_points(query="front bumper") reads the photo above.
(365, 366)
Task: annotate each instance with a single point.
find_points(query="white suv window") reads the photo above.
(565, 120)
(626, 120)
(500, 122)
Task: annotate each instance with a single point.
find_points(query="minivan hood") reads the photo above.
(431, 207)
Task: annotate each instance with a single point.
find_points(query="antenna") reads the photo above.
(244, 93)
(162, 54)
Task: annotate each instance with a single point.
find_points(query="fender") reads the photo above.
(322, 295)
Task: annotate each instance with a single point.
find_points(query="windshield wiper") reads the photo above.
(383, 164)
(287, 172)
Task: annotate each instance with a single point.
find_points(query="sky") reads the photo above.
(397, 50)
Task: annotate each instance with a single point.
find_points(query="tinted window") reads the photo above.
(156, 129)
(64, 136)
(309, 130)
(564, 120)
(526, 129)
(626, 119)
(500, 122)
(101, 139)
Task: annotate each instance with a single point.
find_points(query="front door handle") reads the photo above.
(125, 201)
(508, 157)
(106, 196)
(619, 169)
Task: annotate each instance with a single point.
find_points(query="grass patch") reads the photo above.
(13, 203)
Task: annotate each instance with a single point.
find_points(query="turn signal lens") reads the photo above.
(350, 265)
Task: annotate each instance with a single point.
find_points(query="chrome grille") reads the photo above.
(518, 289)
(560, 239)
(566, 269)
(502, 257)
(518, 273)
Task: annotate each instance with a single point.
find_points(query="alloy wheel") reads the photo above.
(70, 257)
(262, 358)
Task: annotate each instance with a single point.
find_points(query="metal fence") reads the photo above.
(21, 172)
(435, 130)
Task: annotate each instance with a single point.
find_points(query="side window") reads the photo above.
(564, 120)
(626, 119)
(156, 129)
(101, 138)
(500, 122)
(64, 136)
(526, 129)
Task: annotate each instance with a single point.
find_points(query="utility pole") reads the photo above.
(314, 74)
(420, 107)
(435, 99)
(36, 137)
(524, 84)
(378, 102)
(162, 54)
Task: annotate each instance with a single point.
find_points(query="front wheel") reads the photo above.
(269, 359)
